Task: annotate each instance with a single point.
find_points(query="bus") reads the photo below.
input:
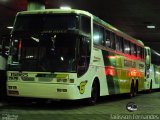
(152, 80)
(71, 55)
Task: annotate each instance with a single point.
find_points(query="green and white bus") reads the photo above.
(152, 80)
(72, 54)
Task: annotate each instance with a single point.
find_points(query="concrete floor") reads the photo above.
(111, 107)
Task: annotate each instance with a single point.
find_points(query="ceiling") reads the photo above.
(130, 16)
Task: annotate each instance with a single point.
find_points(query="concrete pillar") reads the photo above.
(36, 5)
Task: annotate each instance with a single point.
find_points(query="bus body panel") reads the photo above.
(42, 85)
(42, 90)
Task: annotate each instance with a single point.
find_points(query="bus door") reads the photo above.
(83, 55)
(147, 61)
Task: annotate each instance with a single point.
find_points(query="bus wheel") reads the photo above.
(94, 93)
(131, 94)
(136, 89)
(150, 89)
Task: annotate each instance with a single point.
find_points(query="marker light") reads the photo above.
(65, 8)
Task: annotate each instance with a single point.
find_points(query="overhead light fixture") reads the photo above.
(10, 27)
(65, 7)
(150, 26)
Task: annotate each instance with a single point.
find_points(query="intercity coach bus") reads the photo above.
(72, 54)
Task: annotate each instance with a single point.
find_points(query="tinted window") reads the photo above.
(45, 22)
(98, 32)
(112, 39)
(107, 39)
(133, 50)
(140, 52)
(127, 48)
(83, 55)
(119, 43)
(86, 24)
(155, 58)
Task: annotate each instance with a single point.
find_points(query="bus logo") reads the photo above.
(82, 87)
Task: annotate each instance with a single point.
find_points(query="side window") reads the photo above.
(127, 47)
(98, 34)
(107, 38)
(86, 24)
(112, 39)
(83, 55)
(121, 44)
(117, 42)
(138, 52)
(133, 50)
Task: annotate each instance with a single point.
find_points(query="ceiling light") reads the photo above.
(10, 27)
(150, 26)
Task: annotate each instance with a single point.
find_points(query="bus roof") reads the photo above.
(100, 21)
(53, 11)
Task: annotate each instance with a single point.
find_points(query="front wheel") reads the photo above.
(150, 89)
(136, 89)
(94, 94)
(131, 93)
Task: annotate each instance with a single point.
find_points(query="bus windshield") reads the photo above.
(45, 22)
(44, 52)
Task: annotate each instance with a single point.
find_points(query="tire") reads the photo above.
(150, 89)
(136, 89)
(132, 94)
(94, 94)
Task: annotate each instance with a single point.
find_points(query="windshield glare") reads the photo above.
(46, 52)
